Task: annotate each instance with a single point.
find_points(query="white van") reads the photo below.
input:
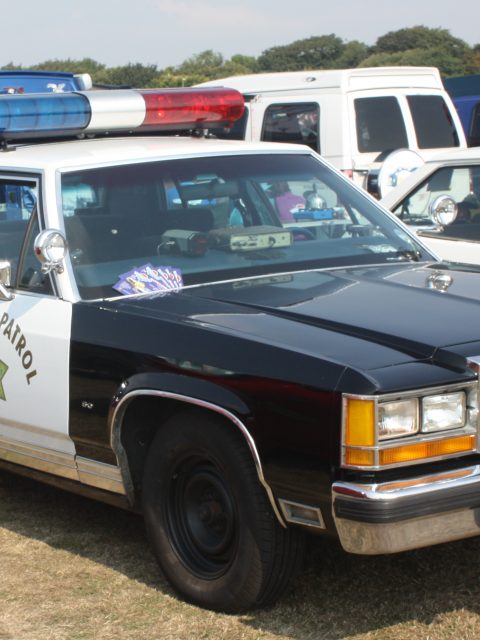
(355, 118)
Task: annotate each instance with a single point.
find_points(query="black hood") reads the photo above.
(419, 309)
(366, 318)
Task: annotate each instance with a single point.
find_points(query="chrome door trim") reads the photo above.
(88, 472)
(39, 458)
(100, 475)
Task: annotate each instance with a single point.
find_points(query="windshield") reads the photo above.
(215, 218)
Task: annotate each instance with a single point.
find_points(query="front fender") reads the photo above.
(186, 386)
(191, 391)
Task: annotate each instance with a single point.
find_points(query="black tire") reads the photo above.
(209, 520)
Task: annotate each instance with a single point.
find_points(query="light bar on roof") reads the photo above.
(123, 110)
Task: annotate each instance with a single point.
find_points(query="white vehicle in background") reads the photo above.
(441, 200)
(355, 118)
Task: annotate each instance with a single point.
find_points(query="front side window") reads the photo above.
(297, 123)
(215, 218)
(29, 273)
(379, 123)
(434, 126)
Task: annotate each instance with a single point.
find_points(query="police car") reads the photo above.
(230, 338)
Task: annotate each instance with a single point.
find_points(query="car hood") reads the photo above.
(366, 318)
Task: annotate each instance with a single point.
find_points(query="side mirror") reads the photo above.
(443, 210)
(50, 248)
(5, 280)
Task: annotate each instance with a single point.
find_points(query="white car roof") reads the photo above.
(456, 155)
(111, 151)
(347, 79)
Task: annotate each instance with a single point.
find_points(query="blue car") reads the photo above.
(42, 82)
(465, 94)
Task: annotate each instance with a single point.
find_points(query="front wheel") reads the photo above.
(209, 520)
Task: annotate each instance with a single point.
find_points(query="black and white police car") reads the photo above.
(229, 337)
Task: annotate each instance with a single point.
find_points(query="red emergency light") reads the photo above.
(177, 106)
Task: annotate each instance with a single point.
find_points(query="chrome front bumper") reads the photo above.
(396, 516)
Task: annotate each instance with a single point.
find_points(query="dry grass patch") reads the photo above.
(75, 569)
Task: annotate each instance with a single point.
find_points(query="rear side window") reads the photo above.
(433, 122)
(297, 123)
(380, 125)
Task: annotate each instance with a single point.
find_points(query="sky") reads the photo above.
(167, 32)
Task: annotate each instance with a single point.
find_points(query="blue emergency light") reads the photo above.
(20, 113)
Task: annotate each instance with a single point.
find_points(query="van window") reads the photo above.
(433, 122)
(380, 125)
(296, 123)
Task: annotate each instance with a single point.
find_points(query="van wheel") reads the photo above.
(208, 518)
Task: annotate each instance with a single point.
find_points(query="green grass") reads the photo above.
(75, 569)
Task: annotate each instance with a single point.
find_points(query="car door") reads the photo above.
(35, 327)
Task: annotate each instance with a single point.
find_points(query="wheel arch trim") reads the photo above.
(116, 422)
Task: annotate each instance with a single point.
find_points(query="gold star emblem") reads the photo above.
(3, 371)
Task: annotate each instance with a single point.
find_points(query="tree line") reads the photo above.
(419, 45)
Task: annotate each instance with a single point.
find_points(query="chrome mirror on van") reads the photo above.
(51, 248)
(443, 210)
(5, 280)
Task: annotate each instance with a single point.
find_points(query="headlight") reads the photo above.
(398, 429)
(396, 419)
(446, 411)
(438, 413)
